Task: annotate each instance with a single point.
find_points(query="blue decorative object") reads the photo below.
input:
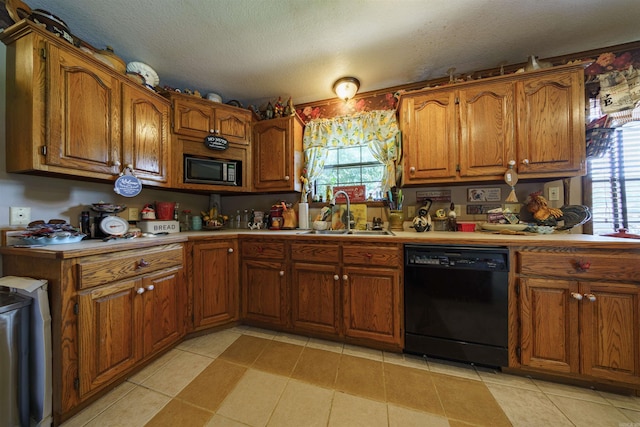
(127, 184)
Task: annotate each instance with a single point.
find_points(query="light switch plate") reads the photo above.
(411, 211)
(554, 193)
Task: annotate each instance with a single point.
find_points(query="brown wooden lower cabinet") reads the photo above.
(372, 304)
(120, 324)
(264, 282)
(110, 313)
(584, 319)
(315, 298)
(331, 289)
(214, 283)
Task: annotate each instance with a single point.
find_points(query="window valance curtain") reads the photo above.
(377, 129)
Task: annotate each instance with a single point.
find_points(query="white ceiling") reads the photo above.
(257, 50)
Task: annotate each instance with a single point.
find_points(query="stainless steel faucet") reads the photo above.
(333, 202)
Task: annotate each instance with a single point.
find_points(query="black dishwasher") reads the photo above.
(456, 302)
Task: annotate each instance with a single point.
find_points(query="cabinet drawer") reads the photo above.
(581, 265)
(372, 255)
(100, 269)
(263, 249)
(315, 252)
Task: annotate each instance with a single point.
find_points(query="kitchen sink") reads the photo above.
(371, 232)
(325, 232)
(351, 232)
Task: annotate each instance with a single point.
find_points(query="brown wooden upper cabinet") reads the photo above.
(470, 131)
(198, 118)
(73, 115)
(277, 154)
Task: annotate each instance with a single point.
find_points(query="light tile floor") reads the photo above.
(245, 376)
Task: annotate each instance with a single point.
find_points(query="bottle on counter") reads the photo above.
(238, 222)
(175, 211)
(85, 224)
(245, 219)
(185, 220)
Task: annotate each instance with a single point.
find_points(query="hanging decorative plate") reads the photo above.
(150, 76)
(127, 185)
(114, 226)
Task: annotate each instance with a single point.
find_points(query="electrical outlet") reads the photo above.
(554, 193)
(458, 209)
(19, 216)
(411, 211)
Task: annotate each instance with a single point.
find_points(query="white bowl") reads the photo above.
(214, 97)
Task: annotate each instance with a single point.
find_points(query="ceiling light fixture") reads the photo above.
(346, 87)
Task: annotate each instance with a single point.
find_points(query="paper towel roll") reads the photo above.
(303, 216)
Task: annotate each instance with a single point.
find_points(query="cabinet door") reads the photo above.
(145, 123)
(610, 331)
(264, 292)
(372, 304)
(215, 283)
(235, 126)
(109, 333)
(315, 296)
(163, 309)
(549, 322)
(84, 117)
(429, 126)
(550, 123)
(191, 118)
(487, 126)
(277, 155)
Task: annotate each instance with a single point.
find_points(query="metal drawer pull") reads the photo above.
(140, 291)
(142, 264)
(576, 295)
(345, 277)
(590, 297)
(230, 250)
(281, 273)
(336, 277)
(150, 287)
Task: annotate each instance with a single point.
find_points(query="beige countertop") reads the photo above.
(557, 240)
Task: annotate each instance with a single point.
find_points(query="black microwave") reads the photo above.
(199, 170)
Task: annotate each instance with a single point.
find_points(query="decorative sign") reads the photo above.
(355, 192)
(433, 195)
(127, 186)
(484, 195)
(214, 142)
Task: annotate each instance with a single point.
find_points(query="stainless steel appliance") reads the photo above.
(14, 353)
(199, 170)
(456, 303)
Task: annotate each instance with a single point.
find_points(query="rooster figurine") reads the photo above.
(570, 215)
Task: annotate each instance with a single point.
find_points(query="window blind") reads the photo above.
(615, 183)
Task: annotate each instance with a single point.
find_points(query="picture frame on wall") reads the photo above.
(484, 194)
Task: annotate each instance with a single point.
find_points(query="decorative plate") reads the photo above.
(114, 225)
(57, 239)
(17, 9)
(107, 207)
(497, 227)
(149, 74)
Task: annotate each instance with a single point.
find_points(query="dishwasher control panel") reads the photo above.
(463, 257)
